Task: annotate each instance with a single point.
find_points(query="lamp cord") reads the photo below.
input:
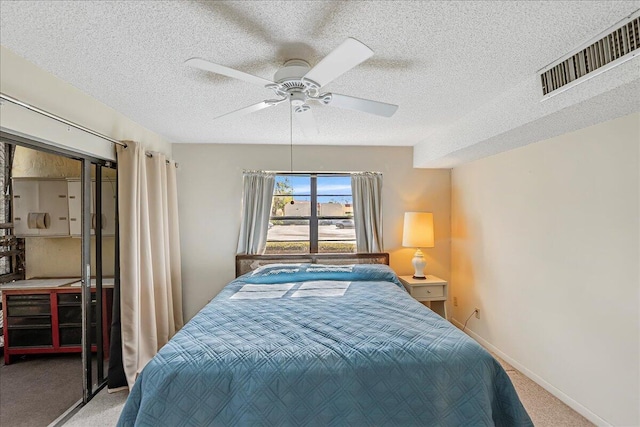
(465, 322)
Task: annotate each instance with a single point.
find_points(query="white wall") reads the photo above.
(545, 241)
(210, 195)
(22, 80)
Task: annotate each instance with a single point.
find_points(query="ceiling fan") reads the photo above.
(300, 84)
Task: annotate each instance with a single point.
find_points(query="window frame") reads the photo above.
(313, 218)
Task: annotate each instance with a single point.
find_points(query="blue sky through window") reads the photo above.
(335, 188)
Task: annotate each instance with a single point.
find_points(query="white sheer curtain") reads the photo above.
(150, 276)
(257, 196)
(367, 211)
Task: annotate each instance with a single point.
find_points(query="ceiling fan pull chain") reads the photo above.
(291, 139)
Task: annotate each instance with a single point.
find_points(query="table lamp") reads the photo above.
(418, 233)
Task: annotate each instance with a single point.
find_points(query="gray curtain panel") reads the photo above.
(257, 196)
(367, 211)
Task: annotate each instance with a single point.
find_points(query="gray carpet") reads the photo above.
(102, 411)
(544, 409)
(35, 390)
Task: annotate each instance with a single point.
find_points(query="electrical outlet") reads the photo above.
(477, 313)
(455, 301)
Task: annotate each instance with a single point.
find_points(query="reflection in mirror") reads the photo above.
(39, 279)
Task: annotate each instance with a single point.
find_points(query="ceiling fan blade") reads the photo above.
(359, 104)
(247, 110)
(203, 64)
(340, 60)
(306, 122)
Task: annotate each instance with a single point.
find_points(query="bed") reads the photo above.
(290, 343)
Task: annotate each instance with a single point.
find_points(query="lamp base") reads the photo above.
(419, 264)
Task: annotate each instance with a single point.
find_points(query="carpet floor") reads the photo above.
(35, 390)
(102, 411)
(544, 409)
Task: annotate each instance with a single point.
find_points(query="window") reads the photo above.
(311, 213)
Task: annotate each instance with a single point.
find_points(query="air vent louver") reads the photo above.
(607, 51)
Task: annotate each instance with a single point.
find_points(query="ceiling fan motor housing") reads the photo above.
(293, 70)
(290, 84)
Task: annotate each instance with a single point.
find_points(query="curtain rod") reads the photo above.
(67, 122)
(314, 172)
(60, 119)
(150, 154)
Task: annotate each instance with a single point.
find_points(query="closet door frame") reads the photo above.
(88, 161)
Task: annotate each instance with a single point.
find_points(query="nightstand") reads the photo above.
(432, 290)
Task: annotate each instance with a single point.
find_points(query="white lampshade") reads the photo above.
(418, 230)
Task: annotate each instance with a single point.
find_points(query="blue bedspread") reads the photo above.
(350, 347)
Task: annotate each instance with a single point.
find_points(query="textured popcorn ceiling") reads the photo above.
(463, 73)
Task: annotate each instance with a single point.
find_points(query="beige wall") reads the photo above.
(545, 241)
(23, 80)
(59, 256)
(210, 194)
(62, 257)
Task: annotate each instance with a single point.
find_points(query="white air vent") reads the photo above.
(616, 45)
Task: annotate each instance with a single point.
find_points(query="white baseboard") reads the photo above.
(535, 378)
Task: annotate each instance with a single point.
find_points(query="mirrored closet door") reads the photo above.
(59, 268)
